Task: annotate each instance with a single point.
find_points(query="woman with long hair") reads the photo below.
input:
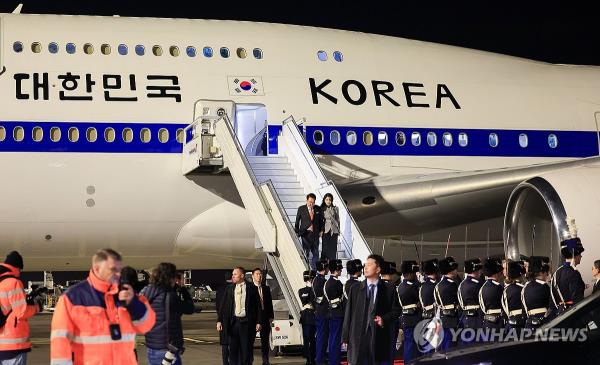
(331, 228)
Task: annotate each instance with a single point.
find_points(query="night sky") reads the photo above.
(550, 33)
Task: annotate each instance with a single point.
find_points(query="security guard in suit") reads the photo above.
(468, 297)
(334, 294)
(389, 275)
(490, 294)
(430, 270)
(511, 297)
(354, 269)
(408, 297)
(307, 317)
(535, 295)
(567, 284)
(321, 311)
(446, 298)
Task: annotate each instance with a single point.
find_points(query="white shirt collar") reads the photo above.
(540, 281)
(375, 282)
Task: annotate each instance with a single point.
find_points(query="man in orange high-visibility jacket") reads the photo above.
(14, 335)
(96, 321)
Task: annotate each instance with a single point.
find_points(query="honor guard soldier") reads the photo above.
(388, 275)
(430, 269)
(468, 296)
(354, 269)
(307, 317)
(511, 297)
(334, 294)
(321, 311)
(535, 295)
(490, 294)
(408, 297)
(567, 284)
(446, 298)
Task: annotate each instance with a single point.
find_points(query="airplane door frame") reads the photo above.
(597, 118)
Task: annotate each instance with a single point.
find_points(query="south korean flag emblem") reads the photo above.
(245, 85)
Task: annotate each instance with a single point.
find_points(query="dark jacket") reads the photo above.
(446, 294)
(408, 296)
(223, 340)
(334, 295)
(303, 221)
(596, 286)
(180, 302)
(570, 283)
(356, 316)
(226, 313)
(307, 298)
(321, 306)
(267, 312)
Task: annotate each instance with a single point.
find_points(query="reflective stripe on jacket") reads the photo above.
(81, 325)
(15, 333)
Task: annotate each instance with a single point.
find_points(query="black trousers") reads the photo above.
(225, 354)
(265, 344)
(329, 246)
(367, 353)
(310, 245)
(240, 343)
(309, 333)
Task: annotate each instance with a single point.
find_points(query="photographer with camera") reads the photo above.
(16, 309)
(96, 320)
(170, 302)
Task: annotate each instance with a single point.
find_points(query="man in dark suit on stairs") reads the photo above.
(596, 274)
(309, 226)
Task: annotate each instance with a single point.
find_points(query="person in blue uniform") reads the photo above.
(354, 270)
(446, 299)
(408, 297)
(490, 296)
(468, 298)
(511, 297)
(430, 271)
(334, 294)
(321, 312)
(307, 317)
(535, 295)
(389, 275)
(567, 284)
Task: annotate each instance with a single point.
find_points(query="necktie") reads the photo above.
(260, 293)
(238, 300)
(371, 306)
(311, 214)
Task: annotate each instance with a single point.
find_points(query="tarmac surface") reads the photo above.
(201, 342)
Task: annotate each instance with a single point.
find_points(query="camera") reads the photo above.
(170, 355)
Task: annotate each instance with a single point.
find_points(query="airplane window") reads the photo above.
(109, 135)
(105, 49)
(91, 134)
(431, 139)
(157, 50)
(258, 53)
(36, 47)
(322, 55)
(224, 52)
(71, 48)
(207, 51)
(334, 138)
(382, 138)
(552, 140)
(73, 134)
(18, 47)
(123, 50)
(463, 139)
(400, 139)
(18, 134)
(338, 56)
(241, 53)
(88, 48)
(523, 140)
(163, 135)
(493, 139)
(52, 47)
(37, 133)
(351, 138)
(145, 135)
(127, 135)
(447, 139)
(415, 138)
(318, 137)
(174, 51)
(2, 134)
(367, 138)
(55, 134)
(191, 51)
(179, 135)
(140, 50)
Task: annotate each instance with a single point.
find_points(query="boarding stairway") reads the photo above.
(272, 188)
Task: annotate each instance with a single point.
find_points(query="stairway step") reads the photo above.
(267, 159)
(292, 198)
(274, 179)
(271, 166)
(291, 204)
(277, 172)
(298, 192)
(287, 185)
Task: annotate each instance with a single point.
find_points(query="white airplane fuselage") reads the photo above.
(62, 200)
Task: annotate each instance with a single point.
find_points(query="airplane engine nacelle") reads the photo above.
(536, 216)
